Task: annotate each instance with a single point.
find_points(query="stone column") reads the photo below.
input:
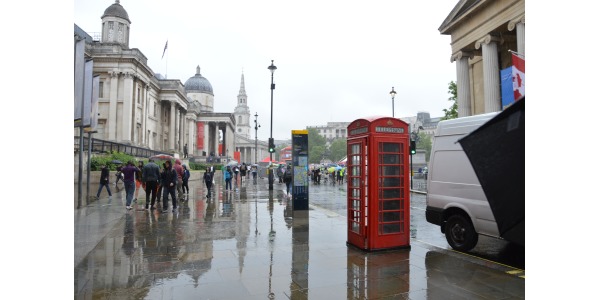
(491, 73)
(463, 83)
(127, 113)
(144, 114)
(181, 130)
(172, 127)
(519, 23)
(112, 106)
(134, 137)
(192, 147)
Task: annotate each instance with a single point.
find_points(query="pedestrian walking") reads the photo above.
(236, 171)
(280, 171)
(186, 177)
(287, 178)
(227, 174)
(169, 184)
(151, 176)
(160, 186)
(243, 170)
(254, 170)
(104, 175)
(129, 181)
(119, 175)
(179, 170)
(208, 179)
(138, 180)
(185, 151)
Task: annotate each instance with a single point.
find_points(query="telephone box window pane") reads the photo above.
(389, 228)
(389, 205)
(356, 171)
(355, 149)
(389, 193)
(389, 182)
(389, 170)
(355, 227)
(389, 216)
(391, 159)
(389, 147)
(356, 182)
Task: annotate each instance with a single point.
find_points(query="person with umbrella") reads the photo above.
(104, 182)
(119, 175)
(129, 180)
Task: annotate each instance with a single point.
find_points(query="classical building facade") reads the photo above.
(482, 33)
(141, 108)
(332, 131)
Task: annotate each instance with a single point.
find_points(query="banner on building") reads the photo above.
(507, 87)
(518, 74)
(200, 136)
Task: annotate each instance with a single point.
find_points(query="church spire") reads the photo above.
(242, 87)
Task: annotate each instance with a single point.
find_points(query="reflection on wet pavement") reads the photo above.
(249, 245)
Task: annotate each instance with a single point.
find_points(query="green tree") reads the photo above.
(315, 154)
(452, 112)
(337, 149)
(316, 146)
(424, 142)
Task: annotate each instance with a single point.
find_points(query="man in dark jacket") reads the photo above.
(104, 182)
(169, 184)
(150, 176)
(208, 178)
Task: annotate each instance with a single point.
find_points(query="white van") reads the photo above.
(455, 200)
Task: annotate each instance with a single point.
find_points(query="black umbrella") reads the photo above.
(116, 162)
(497, 153)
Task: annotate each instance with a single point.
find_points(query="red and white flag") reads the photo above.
(518, 76)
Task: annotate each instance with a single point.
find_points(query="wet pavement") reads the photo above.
(246, 245)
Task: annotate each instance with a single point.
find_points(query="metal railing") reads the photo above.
(102, 146)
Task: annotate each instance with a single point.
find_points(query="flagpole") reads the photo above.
(163, 56)
(167, 65)
(517, 54)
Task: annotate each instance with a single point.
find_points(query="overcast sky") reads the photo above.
(336, 60)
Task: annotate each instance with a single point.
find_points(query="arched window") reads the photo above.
(240, 119)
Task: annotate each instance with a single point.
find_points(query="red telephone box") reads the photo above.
(378, 183)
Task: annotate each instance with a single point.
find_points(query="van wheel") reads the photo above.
(460, 233)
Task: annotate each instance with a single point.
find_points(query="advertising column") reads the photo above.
(300, 167)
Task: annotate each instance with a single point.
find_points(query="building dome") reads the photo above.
(116, 10)
(198, 84)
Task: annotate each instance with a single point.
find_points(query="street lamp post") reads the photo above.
(256, 126)
(393, 94)
(271, 68)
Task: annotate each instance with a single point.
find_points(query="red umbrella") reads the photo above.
(267, 160)
(162, 157)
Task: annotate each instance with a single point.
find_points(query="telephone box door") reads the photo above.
(357, 192)
(390, 203)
